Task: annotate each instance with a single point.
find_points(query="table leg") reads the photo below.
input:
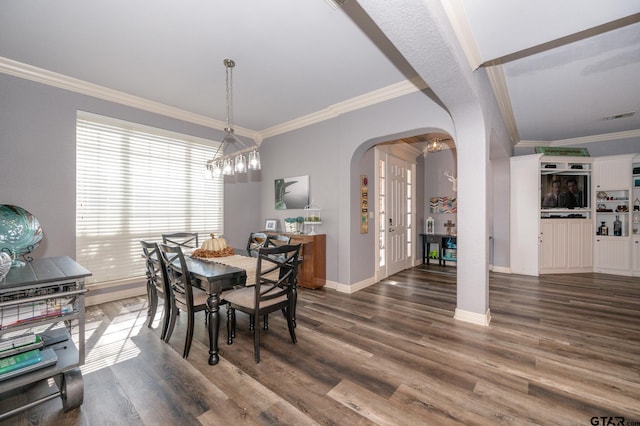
(424, 251)
(213, 318)
(428, 252)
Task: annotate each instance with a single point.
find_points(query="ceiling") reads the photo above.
(557, 68)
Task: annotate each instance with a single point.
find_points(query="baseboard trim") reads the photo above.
(331, 285)
(500, 269)
(344, 288)
(473, 317)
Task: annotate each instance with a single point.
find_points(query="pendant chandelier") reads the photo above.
(235, 161)
(434, 145)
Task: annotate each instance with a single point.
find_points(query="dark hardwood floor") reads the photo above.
(560, 350)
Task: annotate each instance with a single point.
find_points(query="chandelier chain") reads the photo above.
(229, 64)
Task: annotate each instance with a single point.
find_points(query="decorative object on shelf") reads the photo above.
(636, 217)
(449, 225)
(312, 218)
(617, 227)
(291, 193)
(636, 205)
(602, 196)
(226, 164)
(562, 151)
(5, 264)
(430, 226)
(603, 229)
(451, 249)
(20, 232)
(293, 224)
(271, 225)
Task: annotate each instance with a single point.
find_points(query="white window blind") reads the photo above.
(135, 183)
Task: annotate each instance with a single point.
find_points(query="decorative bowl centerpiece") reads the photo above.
(5, 264)
(20, 232)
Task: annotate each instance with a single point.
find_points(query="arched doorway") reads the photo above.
(408, 171)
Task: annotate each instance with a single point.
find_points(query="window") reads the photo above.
(135, 183)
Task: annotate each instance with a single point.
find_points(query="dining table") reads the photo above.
(214, 277)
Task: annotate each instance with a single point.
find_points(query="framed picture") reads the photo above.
(271, 225)
(292, 193)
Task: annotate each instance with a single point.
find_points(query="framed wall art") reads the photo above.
(271, 225)
(291, 193)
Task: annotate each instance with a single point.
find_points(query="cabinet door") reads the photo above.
(612, 254)
(635, 254)
(579, 244)
(612, 173)
(553, 244)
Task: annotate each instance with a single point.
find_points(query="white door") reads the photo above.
(396, 225)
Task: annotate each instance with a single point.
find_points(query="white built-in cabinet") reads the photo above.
(555, 240)
(612, 256)
(548, 240)
(612, 189)
(565, 245)
(635, 255)
(635, 217)
(611, 173)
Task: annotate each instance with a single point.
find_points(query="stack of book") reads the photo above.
(19, 355)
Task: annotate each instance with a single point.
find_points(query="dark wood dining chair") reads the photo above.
(183, 295)
(275, 289)
(188, 240)
(157, 285)
(256, 241)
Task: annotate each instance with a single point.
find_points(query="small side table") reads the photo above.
(427, 240)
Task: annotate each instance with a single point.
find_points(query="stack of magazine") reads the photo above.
(22, 354)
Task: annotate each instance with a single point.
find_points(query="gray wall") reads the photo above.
(334, 153)
(37, 165)
(37, 152)
(37, 168)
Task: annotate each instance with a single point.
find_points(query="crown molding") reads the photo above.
(501, 92)
(386, 93)
(582, 140)
(458, 19)
(39, 75)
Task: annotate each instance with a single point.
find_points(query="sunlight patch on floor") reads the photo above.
(114, 345)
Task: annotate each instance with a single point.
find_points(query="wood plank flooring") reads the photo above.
(560, 350)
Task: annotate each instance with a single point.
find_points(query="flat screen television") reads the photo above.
(565, 191)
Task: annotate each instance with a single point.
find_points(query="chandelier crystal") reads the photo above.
(235, 161)
(434, 145)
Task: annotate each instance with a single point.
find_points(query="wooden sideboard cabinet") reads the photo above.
(313, 269)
